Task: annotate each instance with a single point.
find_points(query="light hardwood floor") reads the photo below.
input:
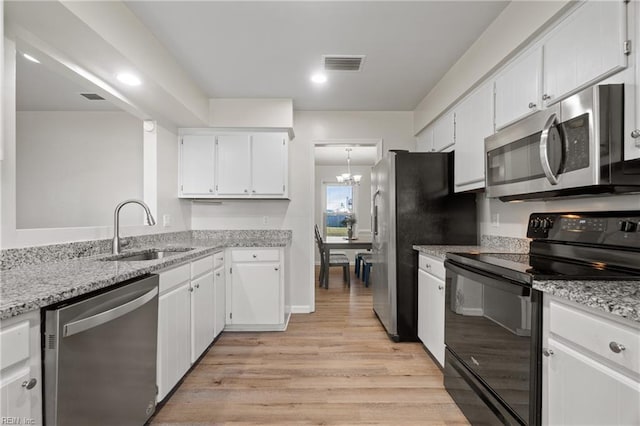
(335, 366)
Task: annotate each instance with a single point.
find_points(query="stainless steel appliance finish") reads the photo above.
(493, 315)
(413, 203)
(100, 357)
(572, 148)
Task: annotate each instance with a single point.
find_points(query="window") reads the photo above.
(339, 205)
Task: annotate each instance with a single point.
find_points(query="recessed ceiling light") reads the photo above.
(129, 79)
(31, 58)
(319, 78)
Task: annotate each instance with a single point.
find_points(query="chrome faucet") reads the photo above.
(116, 222)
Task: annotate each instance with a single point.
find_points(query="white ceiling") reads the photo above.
(39, 88)
(337, 155)
(268, 49)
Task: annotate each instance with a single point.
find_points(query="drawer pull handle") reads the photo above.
(440, 287)
(428, 266)
(218, 274)
(532, 105)
(30, 384)
(276, 268)
(635, 134)
(616, 347)
(255, 256)
(547, 352)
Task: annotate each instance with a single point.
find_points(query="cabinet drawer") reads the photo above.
(15, 344)
(596, 334)
(218, 259)
(172, 277)
(431, 265)
(201, 266)
(258, 255)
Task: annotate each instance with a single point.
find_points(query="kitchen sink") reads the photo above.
(148, 255)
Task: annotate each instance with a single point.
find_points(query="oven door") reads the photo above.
(492, 330)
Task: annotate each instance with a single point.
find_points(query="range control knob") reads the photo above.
(546, 224)
(535, 223)
(628, 226)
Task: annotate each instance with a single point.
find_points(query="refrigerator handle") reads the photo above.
(375, 213)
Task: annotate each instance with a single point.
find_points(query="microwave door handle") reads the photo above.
(544, 153)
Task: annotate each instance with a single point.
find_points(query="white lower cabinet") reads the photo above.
(219, 290)
(20, 370)
(255, 290)
(591, 372)
(431, 305)
(186, 319)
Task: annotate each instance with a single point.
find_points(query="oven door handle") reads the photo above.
(544, 153)
(497, 281)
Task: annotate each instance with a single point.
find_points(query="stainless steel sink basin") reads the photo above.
(149, 255)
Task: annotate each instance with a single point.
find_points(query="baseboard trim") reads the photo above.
(301, 309)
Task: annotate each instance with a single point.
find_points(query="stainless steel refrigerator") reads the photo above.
(413, 203)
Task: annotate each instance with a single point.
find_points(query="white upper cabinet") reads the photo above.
(584, 48)
(474, 122)
(518, 89)
(268, 163)
(233, 164)
(444, 132)
(424, 140)
(197, 156)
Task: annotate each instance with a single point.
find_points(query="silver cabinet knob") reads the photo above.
(29, 384)
(197, 285)
(253, 191)
(440, 287)
(217, 274)
(191, 289)
(616, 347)
(532, 105)
(428, 266)
(545, 97)
(246, 191)
(276, 269)
(547, 352)
(210, 190)
(635, 134)
(255, 256)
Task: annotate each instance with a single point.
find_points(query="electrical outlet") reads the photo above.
(265, 220)
(495, 220)
(166, 220)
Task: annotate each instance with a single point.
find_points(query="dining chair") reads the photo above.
(335, 259)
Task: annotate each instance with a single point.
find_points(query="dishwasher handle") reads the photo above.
(79, 326)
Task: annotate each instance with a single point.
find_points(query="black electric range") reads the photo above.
(493, 315)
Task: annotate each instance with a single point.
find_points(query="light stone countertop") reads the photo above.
(30, 287)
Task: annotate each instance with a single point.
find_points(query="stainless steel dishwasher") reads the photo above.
(100, 357)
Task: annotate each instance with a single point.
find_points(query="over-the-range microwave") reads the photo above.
(575, 147)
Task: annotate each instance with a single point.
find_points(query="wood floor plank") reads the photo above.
(333, 367)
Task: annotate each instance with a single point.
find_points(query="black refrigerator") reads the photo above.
(413, 203)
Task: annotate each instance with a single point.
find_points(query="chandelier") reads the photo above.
(348, 178)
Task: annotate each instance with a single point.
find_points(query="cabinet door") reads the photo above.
(219, 300)
(435, 317)
(233, 164)
(174, 337)
(255, 293)
(581, 391)
(197, 165)
(422, 305)
(474, 122)
(518, 89)
(444, 132)
(585, 48)
(202, 314)
(268, 163)
(632, 138)
(424, 140)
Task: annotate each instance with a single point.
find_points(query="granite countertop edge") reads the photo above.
(440, 251)
(619, 298)
(37, 286)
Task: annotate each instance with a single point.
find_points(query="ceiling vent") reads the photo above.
(92, 96)
(343, 62)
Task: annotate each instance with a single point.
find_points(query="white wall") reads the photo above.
(394, 128)
(167, 184)
(73, 167)
(362, 198)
